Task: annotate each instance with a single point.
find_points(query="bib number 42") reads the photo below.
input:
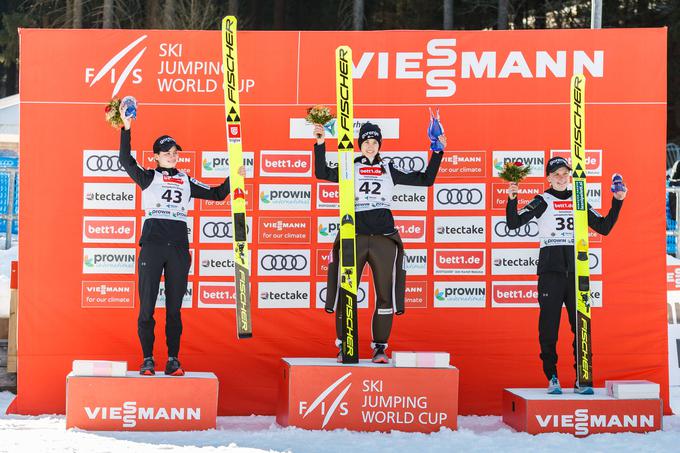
(370, 187)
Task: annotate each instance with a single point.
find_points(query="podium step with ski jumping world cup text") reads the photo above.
(324, 394)
(534, 411)
(142, 403)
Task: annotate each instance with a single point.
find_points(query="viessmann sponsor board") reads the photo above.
(365, 398)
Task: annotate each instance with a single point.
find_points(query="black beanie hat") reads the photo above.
(370, 130)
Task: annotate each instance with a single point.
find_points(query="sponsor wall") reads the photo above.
(471, 288)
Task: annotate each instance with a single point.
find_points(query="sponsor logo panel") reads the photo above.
(514, 261)
(283, 262)
(459, 196)
(411, 229)
(186, 162)
(109, 195)
(109, 261)
(111, 294)
(285, 197)
(218, 263)
(327, 229)
(362, 295)
(103, 163)
(593, 160)
(415, 295)
(594, 194)
(327, 196)
(284, 230)
(409, 198)
(527, 192)
(459, 262)
(216, 295)
(457, 164)
(415, 261)
(283, 295)
(460, 229)
(186, 299)
(448, 294)
(225, 205)
(322, 260)
(501, 233)
(595, 261)
(285, 163)
(220, 230)
(109, 229)
(535, 159)
(407, 161)
(523, 294)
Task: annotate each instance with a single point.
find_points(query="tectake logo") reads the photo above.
(448, 294)
(218, 263)
(215, 164)
(109, 229)
(186, 300)
(409, 198)
(109, 294)
(462, 164)
(283, 295)
(527, 192)
(286, 230)
(283, 262)
(108, 195)
(285, 163)
(108, 261)
(459, 262)
(460, 196)
(117, 74)
(362, 295)
(514, 261)
(460, 229)
(593, 159)
(535, 159)
(217, 230)
(327, 196)
(285, 197)
(327, 229)
(411, 229)
(502, 233)
(514, 294)
(216, 295)
(103, 163)
(415, 295)
(415, 261)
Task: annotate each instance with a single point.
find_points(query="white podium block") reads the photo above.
(632, 389)
(98, 368)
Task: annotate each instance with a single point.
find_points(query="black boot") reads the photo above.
(148, 367)
(173, 368)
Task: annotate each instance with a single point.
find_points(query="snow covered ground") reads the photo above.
(47, 433)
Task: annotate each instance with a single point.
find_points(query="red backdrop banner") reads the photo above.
(471, 286)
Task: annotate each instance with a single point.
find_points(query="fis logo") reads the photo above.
(338, 404)
(119, 78)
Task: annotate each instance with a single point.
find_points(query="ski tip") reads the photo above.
(243, 336)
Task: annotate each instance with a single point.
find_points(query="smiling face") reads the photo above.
(559, 179)
(167, 159)
(369, 148)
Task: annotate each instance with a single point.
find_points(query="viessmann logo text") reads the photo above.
(442, 63)
(582, 421)
(130, 414)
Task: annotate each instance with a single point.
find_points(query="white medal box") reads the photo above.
(99, 368)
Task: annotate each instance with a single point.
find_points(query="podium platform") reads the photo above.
(142, 403)
(534, 411)
(323, 394)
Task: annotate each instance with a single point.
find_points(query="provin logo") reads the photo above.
(115, 77)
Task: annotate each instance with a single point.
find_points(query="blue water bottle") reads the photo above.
(130, 105)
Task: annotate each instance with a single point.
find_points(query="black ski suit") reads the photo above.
(556, 273)
(377, 243)
(164, 249)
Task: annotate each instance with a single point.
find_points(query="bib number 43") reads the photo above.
(172, 196)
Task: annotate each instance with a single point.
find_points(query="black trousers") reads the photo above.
(155, 260)
(380, 253)
(554, 290)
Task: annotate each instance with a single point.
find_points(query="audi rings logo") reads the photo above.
(361, 294)
(103, 163)
(407, 163)
(284, 262)
(217, 230)
(529, 230)
(594, 260)
(462, 196)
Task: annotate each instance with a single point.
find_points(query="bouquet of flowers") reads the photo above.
(112, 113)
(319, 114)
(514, 171)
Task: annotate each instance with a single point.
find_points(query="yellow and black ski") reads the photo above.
(348, 272)
(238, 198)
(584, 364)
